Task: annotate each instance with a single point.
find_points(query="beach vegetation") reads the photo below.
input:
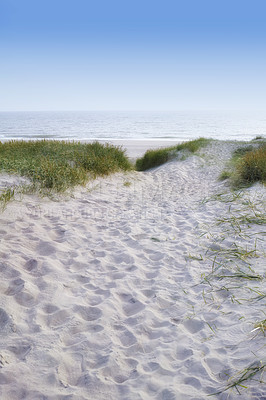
(127, 184)
(232, 276)
(243, 376)
(241, 151)
(59, 165)
(154, 158)
(247, 166)
(225, 175)
(259, 137)
(252, 166)
(5, 196)
(260, 326)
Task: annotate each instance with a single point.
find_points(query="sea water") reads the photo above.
(86, 125)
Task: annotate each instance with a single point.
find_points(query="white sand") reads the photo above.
(103, 294)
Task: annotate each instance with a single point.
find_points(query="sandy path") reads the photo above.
(103, 296)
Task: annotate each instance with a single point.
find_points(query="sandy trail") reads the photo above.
(103, 296)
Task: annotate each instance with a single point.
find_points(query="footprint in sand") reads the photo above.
(97, 361)
(20, 350)
(151, 366)
(115, 374)
(82, 279)
(4, 379)
(4, 318)
(156, 256)
(193, 325)
(50, 308)
(25, 299)
(7, 272)
(118, 275)
(15, 286)
(127, 339)
(45, 248)
(133, 307)
(192, 382)
(95, 328)
(120, 378)
(166, 395)
(70, 370)
(148, 293)
(88, 313)
(58, 318)
(58, 234)
(182, 353)
(121, 257)
(31, 266)
(95, 300)
(99, 253)
(151, 275)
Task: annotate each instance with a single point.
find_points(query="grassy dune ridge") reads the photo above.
(154, 158)
(59, 165)
(54, 166)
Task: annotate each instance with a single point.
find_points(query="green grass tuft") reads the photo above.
(243, 376)
(241, 151)
(225, 175)
(59, 165)
(6, 196)
(247, 166)
(127, 184)
(154, 158)
(259, 137)
(260, 326)
(252, 166)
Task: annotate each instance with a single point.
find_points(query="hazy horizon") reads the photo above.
(169, 56)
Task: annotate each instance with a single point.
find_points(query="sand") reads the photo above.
(107, 294)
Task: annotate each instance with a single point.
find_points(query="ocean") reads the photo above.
(178, 126)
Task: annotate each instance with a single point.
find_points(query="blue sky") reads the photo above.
(132, 55)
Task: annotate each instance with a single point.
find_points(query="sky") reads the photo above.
(166, 55)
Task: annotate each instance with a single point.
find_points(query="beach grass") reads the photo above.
(258, 137)
(247, 166)
(260, 326)
(154, 158)
(252, 166)
(232, 276)
(248, 373)
(6, 196)
(59, 165)
(225, 175)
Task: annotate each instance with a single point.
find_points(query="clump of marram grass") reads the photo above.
(241, 151)
(59, 165)
(252, 167)
(247, 166)
(154, 158)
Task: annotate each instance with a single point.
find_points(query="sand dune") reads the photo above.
(104, 296)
